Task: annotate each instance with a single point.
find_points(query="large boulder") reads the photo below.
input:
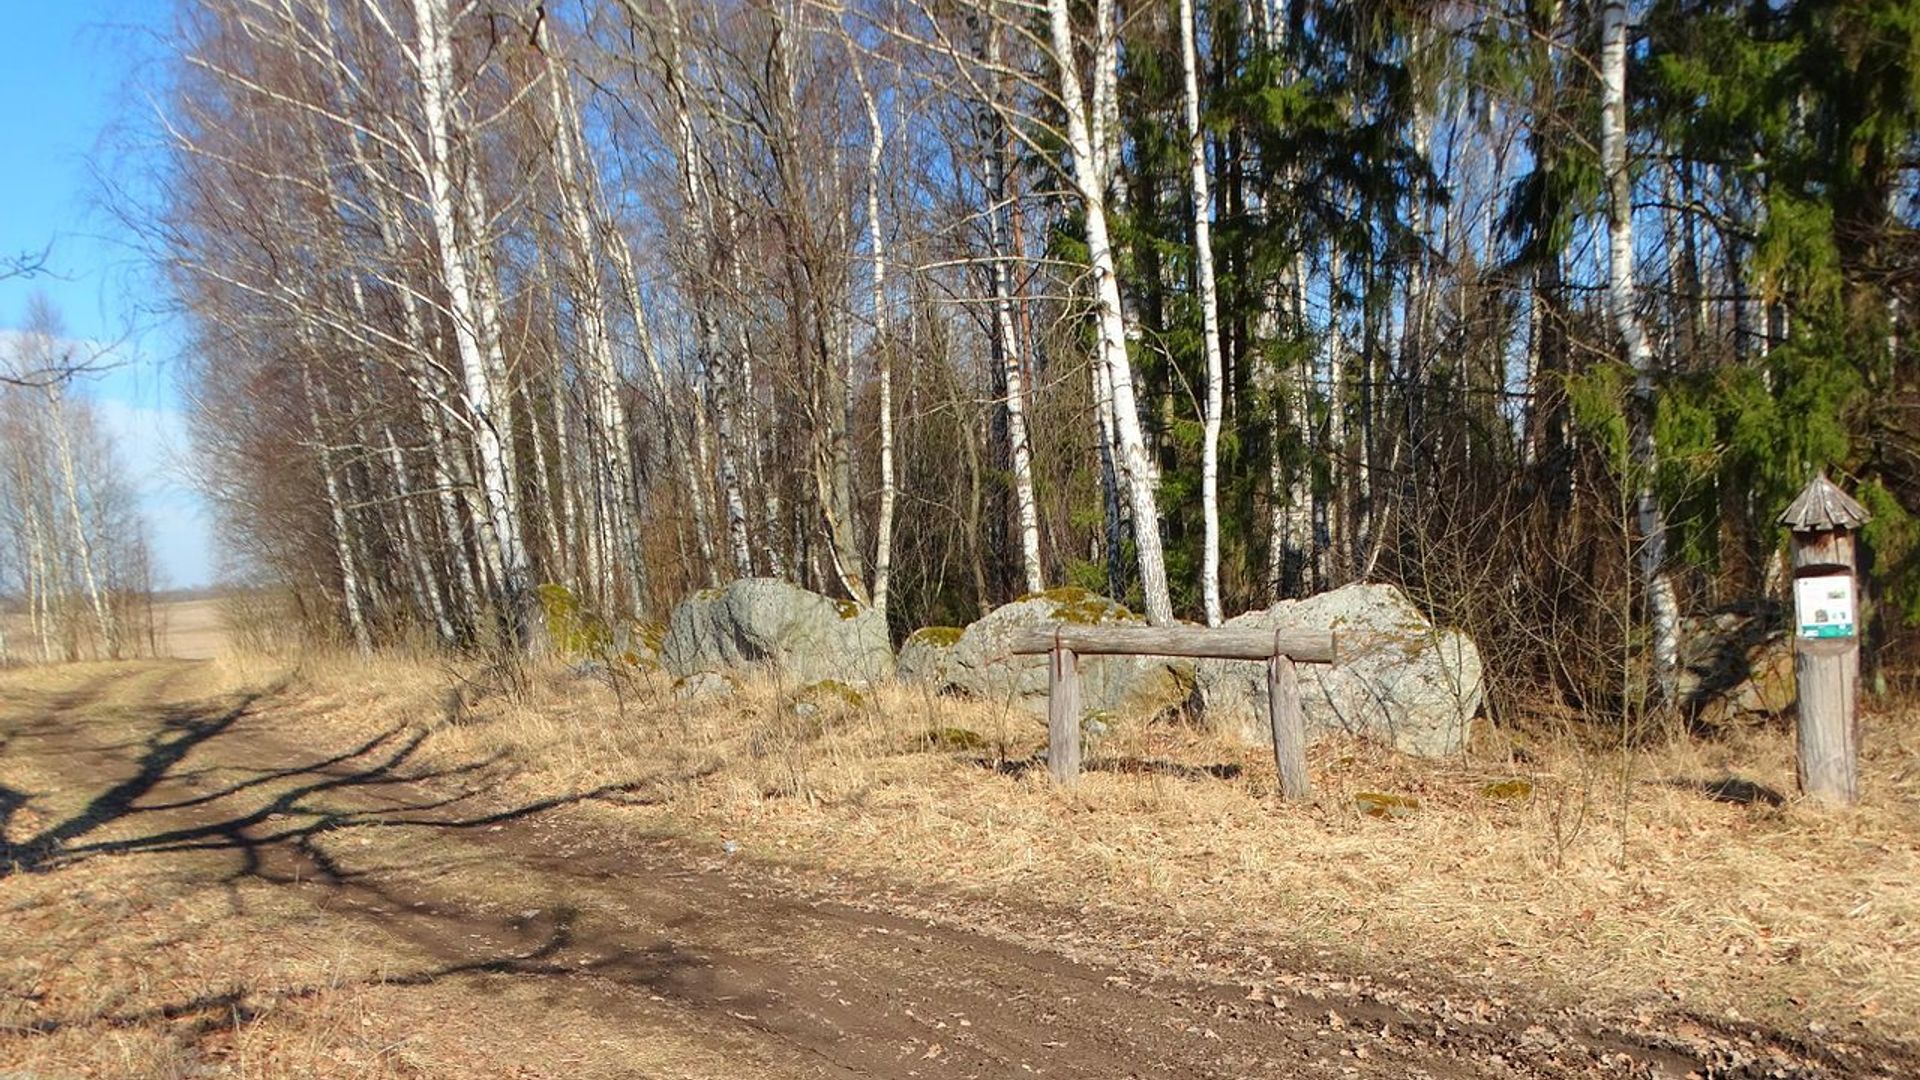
(766, 622)
(979, 665)
(1399, 678)
(1735, 666)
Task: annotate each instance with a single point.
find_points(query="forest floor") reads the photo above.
(354, 869)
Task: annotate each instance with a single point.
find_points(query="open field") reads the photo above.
(190, 627)
(380, 869)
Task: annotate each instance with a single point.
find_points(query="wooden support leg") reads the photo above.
(1289, 728)
(1063, 714)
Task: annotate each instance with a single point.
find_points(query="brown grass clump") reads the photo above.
(1681, 878)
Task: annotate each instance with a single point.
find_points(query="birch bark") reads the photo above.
(1134, 466)
(1623, 295)
(718, 372)
(419, 368)
(1210, 323)
(350, 586)
(478, 372)
(614, 459)
(1000, 240)
(882, 347)
(676, 444)
(82, 542)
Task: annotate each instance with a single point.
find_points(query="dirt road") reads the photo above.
(215, 886)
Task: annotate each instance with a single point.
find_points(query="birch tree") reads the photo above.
(474, 319)
(1210, 321)
(73, 552)
(42, 352)
(1006, 338)
(882, 347)
(1084, 172)
(633, 298)
(1624, 301)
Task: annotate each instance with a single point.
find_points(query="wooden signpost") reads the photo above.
(1065, 645)
(1826, 639)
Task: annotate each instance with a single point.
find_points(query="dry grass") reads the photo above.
(114, 972)
(130, 968)
(130, 976)
(197, 964)
(1625, 880)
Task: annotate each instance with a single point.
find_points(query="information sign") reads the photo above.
(1823, 606)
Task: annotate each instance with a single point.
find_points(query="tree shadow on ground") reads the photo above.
(181, 728)
(559, 952)
(274, 819)
(299, 803)
(1733, 789)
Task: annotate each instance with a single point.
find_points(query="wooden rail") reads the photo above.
(1199, 642)
(1064, 645)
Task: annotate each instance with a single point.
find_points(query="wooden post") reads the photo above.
(1281, 649)
(1063, 713)
(1826, 654)
(1289, 728)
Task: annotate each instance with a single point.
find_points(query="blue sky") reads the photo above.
(71, 70)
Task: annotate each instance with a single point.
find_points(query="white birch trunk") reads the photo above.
(1104, 118)
(1328, 515)
(1623, 294)
(615, 459)
(676, 447)
(426, 588)
(1134, 466)
(748, 420)
(472, 317)
(1210, 323)
(1529, 407)
(883, 353)
(82, 542)
(453, 511)
(420, 376)
(699, 223)
(721, 399)
(426, 585)
(337, 514)
(1114, 513)
(1000, 240)
(1026, 509)
(38, 577)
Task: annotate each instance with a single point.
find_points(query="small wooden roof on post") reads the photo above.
(1826, 653)
(1823, 507)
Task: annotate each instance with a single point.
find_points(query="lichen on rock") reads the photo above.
(955, 738)
(1398, 678)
